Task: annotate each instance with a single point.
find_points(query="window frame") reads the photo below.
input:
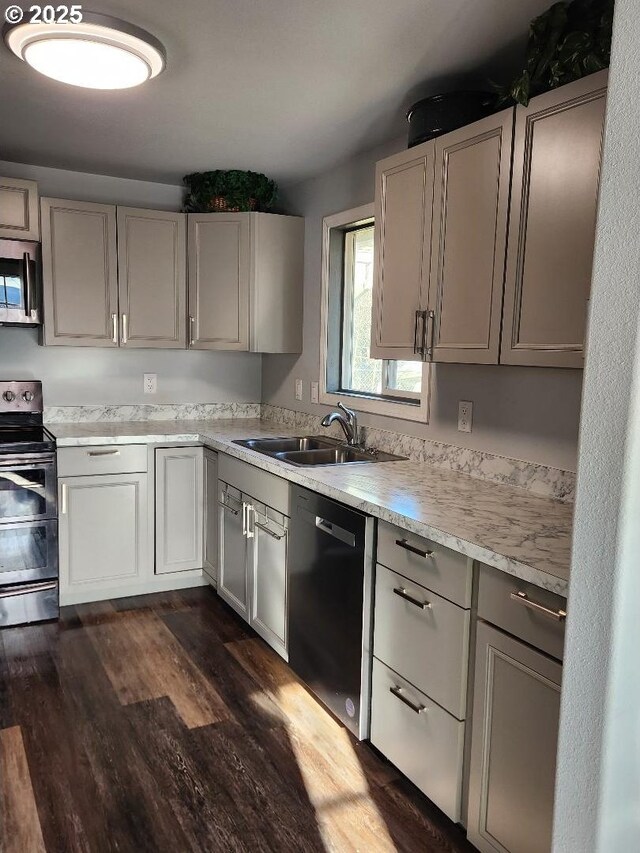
(332, 291)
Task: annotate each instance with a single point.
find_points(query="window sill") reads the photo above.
(378, 406)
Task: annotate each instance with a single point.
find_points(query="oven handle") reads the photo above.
(25, 589)
(15, 463)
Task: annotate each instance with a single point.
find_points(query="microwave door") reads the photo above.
(19, 280)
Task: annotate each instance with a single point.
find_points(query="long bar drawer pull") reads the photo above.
(270, 532)
(103, 453)
(402, 543)
(397, 692)
(404, 594)
(522, 598)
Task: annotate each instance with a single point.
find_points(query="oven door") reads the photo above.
(19, 283)
(28, 553)
(27, 488)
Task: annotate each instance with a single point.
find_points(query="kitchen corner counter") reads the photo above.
(504, 526)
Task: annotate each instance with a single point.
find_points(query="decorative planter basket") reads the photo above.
(219, 204)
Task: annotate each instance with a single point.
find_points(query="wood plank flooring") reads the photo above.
(162, 723)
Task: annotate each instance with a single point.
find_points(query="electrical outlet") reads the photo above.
(314, 392)
(150, 383)
(298, 389)
(465, 416)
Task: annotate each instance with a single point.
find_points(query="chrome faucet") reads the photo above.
(348, 421)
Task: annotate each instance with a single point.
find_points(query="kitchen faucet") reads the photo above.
(348, 421)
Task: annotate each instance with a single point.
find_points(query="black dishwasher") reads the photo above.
(330, 588)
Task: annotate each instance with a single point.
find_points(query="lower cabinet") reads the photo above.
(103, 532)
(514, 743)
(253, 563)
(179, 509)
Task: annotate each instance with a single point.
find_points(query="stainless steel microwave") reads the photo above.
(20, 283)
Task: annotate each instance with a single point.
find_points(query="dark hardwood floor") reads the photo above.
(161, 723)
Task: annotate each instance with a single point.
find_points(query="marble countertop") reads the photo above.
(519, 533)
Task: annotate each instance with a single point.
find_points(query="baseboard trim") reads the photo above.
(157, 583)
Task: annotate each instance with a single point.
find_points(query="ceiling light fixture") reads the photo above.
(99, 53)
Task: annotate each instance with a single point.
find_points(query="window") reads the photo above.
(385, 387)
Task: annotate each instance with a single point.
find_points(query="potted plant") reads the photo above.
(568, 41)
(228, 190)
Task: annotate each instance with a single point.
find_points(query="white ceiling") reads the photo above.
(287, 87)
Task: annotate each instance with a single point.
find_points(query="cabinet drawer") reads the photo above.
(427, 642)
(421, 739)
(506, 601)
(438, 568)
(102, 459)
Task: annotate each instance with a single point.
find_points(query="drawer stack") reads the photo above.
(421, 647)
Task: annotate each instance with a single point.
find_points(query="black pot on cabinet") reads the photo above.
(440, 114)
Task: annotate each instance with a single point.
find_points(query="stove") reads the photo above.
(28, 508)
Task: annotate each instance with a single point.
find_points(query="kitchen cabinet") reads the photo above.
(113, 277)
(19, 213)
(422, 619)
(245, 273)
(254, 534)
(554, 195)
(403, 208)
(211, 514)
(516, 708)
(179, 480)
(468, 241)
(79, 270)
(103, 533)
(152, 278)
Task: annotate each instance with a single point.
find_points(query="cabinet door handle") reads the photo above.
(428, 331)
(63, 499)
(192, 323)
(397, 692)
(246, 527)
(523, 599)
(416, 345)
(125, 329)
(114, 324)
(402, 543)
(404, 594)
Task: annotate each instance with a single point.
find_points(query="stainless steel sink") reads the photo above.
(309, 450)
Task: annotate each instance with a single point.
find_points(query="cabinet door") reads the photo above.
(179, 509)
(102, 532)
(469, 236)
(219, 269)
(268, 575)
(403, 203)
(556, 170)
(513, 748)
(211, 513)
(152, 278)
(233, 586)
(19, 216)
(79, 268)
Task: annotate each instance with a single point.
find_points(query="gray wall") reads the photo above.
(528, 413)
(77, 376)
(598, 780)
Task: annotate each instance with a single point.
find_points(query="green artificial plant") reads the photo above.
(568, 41)
(242, 190)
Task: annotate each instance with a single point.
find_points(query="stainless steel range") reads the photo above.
(28, 508)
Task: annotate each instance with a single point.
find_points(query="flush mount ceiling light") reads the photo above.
(99, 53)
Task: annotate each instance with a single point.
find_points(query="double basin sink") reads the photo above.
(314, 450)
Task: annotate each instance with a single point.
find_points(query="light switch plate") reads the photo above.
(465, 416)
(150, 383)
(298, 389)
(314, 392)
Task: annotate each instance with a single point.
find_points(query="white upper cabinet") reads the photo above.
(403, 203)
(245, 275)
(19, 215)
(152, 278)
(79, 271)
(554, 197)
